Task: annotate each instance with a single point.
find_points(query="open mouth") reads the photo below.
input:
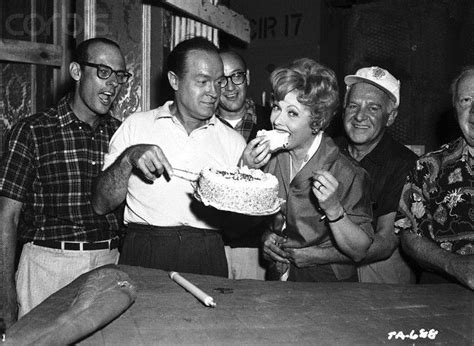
(106, 97)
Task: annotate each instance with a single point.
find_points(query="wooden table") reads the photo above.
(257, 312)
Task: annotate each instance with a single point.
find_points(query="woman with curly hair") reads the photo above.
(325, 191)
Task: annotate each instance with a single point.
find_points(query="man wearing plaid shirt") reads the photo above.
(243, 115)
(46, 173)
(235, 109)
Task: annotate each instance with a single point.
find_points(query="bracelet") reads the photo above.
(340, 217)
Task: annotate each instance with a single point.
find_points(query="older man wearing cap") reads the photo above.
(371, 105)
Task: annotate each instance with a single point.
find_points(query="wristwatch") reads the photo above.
(340, 217)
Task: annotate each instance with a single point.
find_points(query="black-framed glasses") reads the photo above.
(237, 78)
(104, 72)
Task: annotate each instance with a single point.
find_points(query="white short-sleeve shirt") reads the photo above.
(170, 202)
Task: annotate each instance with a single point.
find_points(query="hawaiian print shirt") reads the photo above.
(437, 199)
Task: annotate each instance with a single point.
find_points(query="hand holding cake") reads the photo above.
(258, 151)
(277, 139)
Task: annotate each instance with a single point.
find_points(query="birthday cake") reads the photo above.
(242, 190)
(276, 139)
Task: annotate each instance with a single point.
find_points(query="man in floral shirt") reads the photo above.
(437, 200)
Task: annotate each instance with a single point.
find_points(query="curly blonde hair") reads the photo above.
(316, 86)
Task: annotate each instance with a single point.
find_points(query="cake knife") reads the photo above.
(186, 175)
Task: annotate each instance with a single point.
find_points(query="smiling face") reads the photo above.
(367, 114)
(233, 96)
(464, 104)
(198, 89)
(289, 115)
(94, 96)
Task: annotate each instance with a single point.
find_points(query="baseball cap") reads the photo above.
(379, 77)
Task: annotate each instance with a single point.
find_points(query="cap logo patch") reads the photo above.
(378, 73)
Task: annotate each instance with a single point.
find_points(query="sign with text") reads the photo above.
(280, 31)
(287, 25)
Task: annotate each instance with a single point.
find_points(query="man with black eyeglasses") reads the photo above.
(239, 112)
(235, 108)
(46, 174)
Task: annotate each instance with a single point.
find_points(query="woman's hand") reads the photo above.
(272, 247)
(325, 190)
(256, 154)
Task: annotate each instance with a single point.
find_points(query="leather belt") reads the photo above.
(79, 246)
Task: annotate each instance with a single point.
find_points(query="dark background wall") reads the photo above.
(424, 43)
(280, 31)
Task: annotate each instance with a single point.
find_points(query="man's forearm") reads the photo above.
(426, 253)
(385, 241)
(315, 255)
(9, 216)
(110, 188)
(7, 256)
(332, 255)
(350, 239)
(430, 256)
(380, 250)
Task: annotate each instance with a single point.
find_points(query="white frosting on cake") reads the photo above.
(244, 190)
(277, 139)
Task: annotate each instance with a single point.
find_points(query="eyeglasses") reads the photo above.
(236, 78)
(104, 72)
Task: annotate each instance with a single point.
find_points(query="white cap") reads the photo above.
(380, 78)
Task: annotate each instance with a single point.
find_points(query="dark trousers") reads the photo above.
(182, 249)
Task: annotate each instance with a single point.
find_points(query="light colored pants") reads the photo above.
(393, 270)
(43, 271)
(244, 263)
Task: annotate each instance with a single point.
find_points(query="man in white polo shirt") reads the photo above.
(166, 227)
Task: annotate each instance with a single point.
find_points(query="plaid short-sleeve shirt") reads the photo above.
(49, 164)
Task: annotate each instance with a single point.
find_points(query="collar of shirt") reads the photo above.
(464, 147)
(165, 112)
(311, 151)
(313, 148)
(248, 121)
(378, 154)
(250, 115)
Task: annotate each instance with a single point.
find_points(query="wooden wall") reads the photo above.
(24, 88)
